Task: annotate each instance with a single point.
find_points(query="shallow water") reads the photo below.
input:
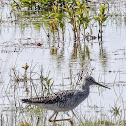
(62, 62)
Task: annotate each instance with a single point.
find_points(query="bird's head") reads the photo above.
(91, 81)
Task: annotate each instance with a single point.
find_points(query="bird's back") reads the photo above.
(60, 101)
(52, 98)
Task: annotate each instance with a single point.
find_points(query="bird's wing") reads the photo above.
(52, 98)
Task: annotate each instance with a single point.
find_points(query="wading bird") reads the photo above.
(64, 100)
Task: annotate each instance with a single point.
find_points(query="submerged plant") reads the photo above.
(79, 17)
(46, 82)
(82, 15)
(57, 20)
(102, 17)
(87, 19)
(72, 18)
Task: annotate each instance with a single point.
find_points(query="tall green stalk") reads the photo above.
(102, 17)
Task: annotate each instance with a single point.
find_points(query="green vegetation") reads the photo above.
(116, 111)
(97, 123)
(38, 4)
(102, 17)
(54, 13)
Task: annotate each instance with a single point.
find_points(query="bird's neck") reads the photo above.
(85, 90)
(85, 87)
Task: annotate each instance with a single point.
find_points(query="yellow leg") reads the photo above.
(55, 119)
(71, 122)
(50, 119)
(56, 113)
(55, 116)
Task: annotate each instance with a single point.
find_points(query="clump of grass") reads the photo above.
(97, 123)
(116, 111)
(46, 82)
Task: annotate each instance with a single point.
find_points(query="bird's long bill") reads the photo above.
(101, 85)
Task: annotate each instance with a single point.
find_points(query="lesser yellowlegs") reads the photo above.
(64, 100)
